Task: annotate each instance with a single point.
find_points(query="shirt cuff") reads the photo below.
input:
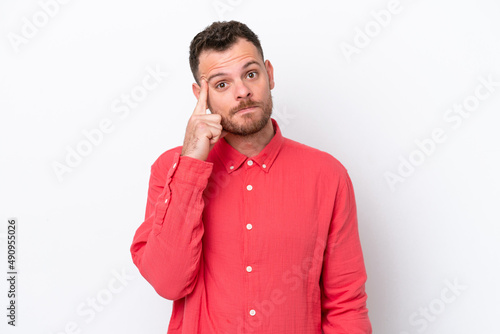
(189, 170)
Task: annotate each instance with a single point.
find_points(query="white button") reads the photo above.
(249, 226)
(252, 312)
(175, 164)
(250, 162)
(249, 269)
(263, 165)
(166, 200)
(249, 187)
(232, 167)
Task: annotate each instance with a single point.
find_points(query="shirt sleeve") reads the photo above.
(167, 246)
(343, 297)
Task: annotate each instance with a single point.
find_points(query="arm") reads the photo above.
(167, 246)
(343, 297)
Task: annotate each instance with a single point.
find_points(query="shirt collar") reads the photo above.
(232, 159)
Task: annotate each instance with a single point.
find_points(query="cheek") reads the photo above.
(209, 105)
(211, 100)
(262, 87)
(217, 101)
(263, 91)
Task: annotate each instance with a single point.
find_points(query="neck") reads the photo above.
(251, 145)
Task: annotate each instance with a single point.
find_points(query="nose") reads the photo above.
(242, 91)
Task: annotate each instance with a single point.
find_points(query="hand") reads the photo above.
(203, 130)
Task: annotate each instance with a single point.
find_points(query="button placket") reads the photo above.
(249, 195)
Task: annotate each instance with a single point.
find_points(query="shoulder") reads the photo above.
(321, 167)
(313, 157)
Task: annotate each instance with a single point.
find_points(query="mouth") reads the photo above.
(245, 110)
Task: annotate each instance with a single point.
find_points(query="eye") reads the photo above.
(252, 75)
(220, 85)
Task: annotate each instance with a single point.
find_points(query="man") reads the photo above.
(245, 230)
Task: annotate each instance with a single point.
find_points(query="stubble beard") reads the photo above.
(253, 121)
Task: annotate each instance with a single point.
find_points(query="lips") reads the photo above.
(247, 109)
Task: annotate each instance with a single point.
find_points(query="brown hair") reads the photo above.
(219, 36)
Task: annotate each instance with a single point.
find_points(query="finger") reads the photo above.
(201, 106)
(211, 120)
(222, 134)
(206, 129)
(217, 137)
(211, 131)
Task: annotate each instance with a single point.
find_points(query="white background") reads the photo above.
(438, 225)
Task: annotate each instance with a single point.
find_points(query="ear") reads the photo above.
(196, 90)
(270, 73)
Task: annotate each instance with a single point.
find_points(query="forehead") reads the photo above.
(212, 62)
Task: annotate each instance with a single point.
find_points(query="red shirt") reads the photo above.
(267, 244)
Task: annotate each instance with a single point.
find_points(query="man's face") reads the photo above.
(239, 87)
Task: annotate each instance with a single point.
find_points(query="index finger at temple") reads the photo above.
(201, 106)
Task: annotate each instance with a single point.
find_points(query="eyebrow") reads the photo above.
(251, 62)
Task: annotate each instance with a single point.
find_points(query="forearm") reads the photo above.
(344, 276)
(167, 246)
(346, 312)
